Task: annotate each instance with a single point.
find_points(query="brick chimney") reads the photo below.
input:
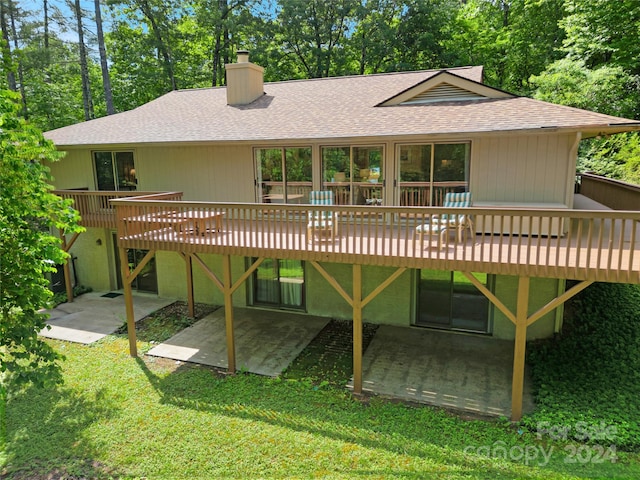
(245, 81)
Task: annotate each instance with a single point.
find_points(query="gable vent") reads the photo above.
(444, 92)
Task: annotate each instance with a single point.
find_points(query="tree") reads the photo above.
(607, 89)
(28, 210)
(374, 41)
(84, 69)
(7, 54)
(313, 32)
(604, 32)
(423, 32)
(106, 80)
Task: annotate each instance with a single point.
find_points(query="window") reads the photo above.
(283, 175)
(115, 171)
(354, 174)
(428, 172)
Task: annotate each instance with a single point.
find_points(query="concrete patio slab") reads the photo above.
(91, 316)
(464, 372)
(266, 341)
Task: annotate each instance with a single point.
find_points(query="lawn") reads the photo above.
(118, 417)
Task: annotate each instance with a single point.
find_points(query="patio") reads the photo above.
(465, 372)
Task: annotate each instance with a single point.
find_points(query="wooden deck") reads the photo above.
(573, 244)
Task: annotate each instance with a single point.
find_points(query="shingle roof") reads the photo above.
(337, 107)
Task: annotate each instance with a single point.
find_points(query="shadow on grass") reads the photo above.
(333, 413)
(53, 420)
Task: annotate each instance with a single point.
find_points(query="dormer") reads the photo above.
(444, 87)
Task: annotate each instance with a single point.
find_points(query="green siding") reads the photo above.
(542, 291)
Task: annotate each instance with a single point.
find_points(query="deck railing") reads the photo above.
(614, 194)
(574, 244)
(95, 209)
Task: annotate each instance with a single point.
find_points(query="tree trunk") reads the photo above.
(106, 81)
(84, 71)
(217, 77)
(163, 46)
(6, 54)
(14, 32)
(46, 27)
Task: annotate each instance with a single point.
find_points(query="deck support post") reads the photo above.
(520, 344)
(190, 296)
(357, 329)
(128, 302)
(67, 280)
(228, 312)
(66, 246)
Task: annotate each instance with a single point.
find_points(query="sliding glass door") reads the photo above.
(450, 301)
(428, 172)
(147, 279)
(354, 174)
(284, 175)
(279, 283)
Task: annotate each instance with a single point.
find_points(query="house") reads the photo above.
(222, 177)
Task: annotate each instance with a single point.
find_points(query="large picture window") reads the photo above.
(115, 171)
(354, 174)
(284, 175)
(428, 172)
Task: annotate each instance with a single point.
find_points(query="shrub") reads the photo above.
(590, 375)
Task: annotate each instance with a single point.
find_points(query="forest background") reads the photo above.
(74, 60)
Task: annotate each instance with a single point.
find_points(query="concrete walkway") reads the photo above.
(92, 316)
(465, 372)
(266, 341)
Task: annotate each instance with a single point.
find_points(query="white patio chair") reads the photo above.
(442, 224)
(321, 222)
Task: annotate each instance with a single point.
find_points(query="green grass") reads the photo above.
(118, 417)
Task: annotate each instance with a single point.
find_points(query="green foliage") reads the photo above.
(604, 32)
(59, 298)
(606, 89)
(615, 157)
(28, 251)
(591, 373)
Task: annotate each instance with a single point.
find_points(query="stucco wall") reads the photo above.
(172, 276)
(93, 262)
(391, 307)
(541, 292)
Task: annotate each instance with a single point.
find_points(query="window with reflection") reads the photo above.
(354, 174)
(428, 172)
(115, 171)
(284, 175)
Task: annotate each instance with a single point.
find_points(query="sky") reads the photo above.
(36, 8)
